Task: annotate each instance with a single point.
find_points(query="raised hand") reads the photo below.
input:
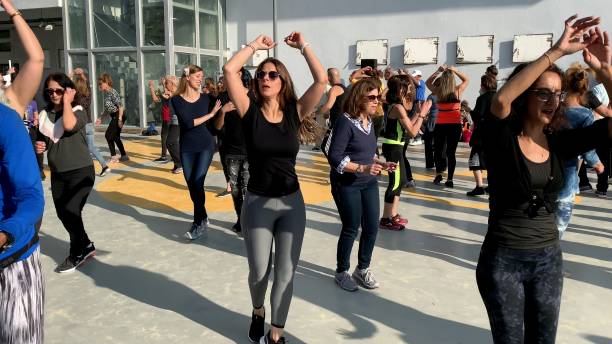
(295, 40)
(598, 54)
(8, 6)
(228, 107)
(576, 36)
(263, 42)
(69, 94)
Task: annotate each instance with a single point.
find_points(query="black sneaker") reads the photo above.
(267, 340)
(161, 159)
(438, 179)
(449, 184)
(72, 262)
(256, 331)
(104, 171)
(601, 194)
(479, 190)
(224, 193)
(585, 187)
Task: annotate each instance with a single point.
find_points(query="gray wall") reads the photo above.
(333, 27)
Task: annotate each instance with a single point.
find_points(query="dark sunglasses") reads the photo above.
(272, 75)
(58, 91)
(546, 96)
(373, 98)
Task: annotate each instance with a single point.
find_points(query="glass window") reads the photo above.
(114, 23)
(153, 22)
(210, 65)
(77, 23)
(209, 5)
(154, 70)
(123, 69)
(181, 61)
(80, 61)
(184, 23)
(209, 31)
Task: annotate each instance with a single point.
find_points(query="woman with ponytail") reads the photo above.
(197, 146)
(273, 123)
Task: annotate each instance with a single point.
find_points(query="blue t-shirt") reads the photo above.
(420, 91)
(21, 194)
(193, 139)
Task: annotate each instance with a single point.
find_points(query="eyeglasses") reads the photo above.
(373, 98)
(272, 75)
(546, 96)
(58, 91)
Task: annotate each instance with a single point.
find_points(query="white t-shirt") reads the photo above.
(600, 92)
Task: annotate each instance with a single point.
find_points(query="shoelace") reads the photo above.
(367, 276)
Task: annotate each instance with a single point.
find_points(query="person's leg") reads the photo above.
(454, 135)
(234, 165)
(91, 145)
(429, 149)
(407, 168)
(369, 229)
(165, 130)
(499, 278)
(288, 238)
(564, 213)
(349, 208)
(195, 167)
(22, 294)
(602, 178)
(393, 153)
(543, 297)
(118, 140)
(584, 178)
(173, 145)
(440, 148)
(110, 136)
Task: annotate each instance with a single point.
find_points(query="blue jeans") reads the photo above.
(195, 167)
(90, 131)
(358, 206)
(564, 213)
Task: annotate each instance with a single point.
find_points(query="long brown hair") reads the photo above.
(356, 101)
(183, 84)
(287, 91)
(81, 85)
(211, 86)
(445, 88)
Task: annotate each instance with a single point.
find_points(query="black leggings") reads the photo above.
(70, 191)
(113, 135)
(397, 178)
(165, 130)
(407, 163)
(172, 142)
(602, 178)
(446, 139)
(521, 288)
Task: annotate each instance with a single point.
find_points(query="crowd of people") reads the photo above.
(528, 136)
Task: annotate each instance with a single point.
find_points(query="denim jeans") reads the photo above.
(358, 206)
(564, 213)
(195, 167)
(90, 131)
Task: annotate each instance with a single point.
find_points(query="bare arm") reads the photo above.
(430, 81)
(465, 81)
(69, 119)
(332, 95)
(201, 120)
(154, 96)
(570, 42)
(24, 88)
(220, 120)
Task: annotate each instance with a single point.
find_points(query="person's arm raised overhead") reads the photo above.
(24, 88)
(575, 37)
(311, 98)
(465, 81)
(430, 81)
(598, 55)
(233, 83)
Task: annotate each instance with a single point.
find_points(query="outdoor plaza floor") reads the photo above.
(148, 284)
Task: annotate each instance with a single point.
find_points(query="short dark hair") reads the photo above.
(488, 82)
(63, 80)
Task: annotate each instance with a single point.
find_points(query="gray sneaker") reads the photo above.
(345, 281)
(195, 231)
(365, 278)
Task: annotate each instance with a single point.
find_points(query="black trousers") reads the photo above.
(397, 179)
(113, 136)
(408, 169)
(238, 171)
(428, 138)
(172, 142)
(521, 290)
(165, 130)
(446, 139)
(70, 191)
(604, 157)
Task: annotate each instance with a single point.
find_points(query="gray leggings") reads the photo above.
(273, 219)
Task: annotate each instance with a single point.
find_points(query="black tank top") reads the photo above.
(394, 130)
(336, 109)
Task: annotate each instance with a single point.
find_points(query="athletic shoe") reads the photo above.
(585, 187)
(124, 158)
(177, 170)
(256, 331)
(449, 184)
(386, 223)
(365, 278)
(479, 190)
(104, 171)
(224, 193)
(415, 143)
(399, 219)
(162, 159)
(438, 179)
(601, 194)
(114, 159)
(72, 262)
(195, 231)
(345, 281)
(267, 340)
(410, 184)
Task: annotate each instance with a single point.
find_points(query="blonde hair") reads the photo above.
(81, 85)
(445, 87)
(187, 71)
(576, 79)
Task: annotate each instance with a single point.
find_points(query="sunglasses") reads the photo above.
(546, 96)
(58, 91)
(272, 75)
(373, 98)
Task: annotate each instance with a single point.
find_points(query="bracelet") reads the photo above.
(304, 47)
(550, 63)
(252, 47)
(16, 13)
